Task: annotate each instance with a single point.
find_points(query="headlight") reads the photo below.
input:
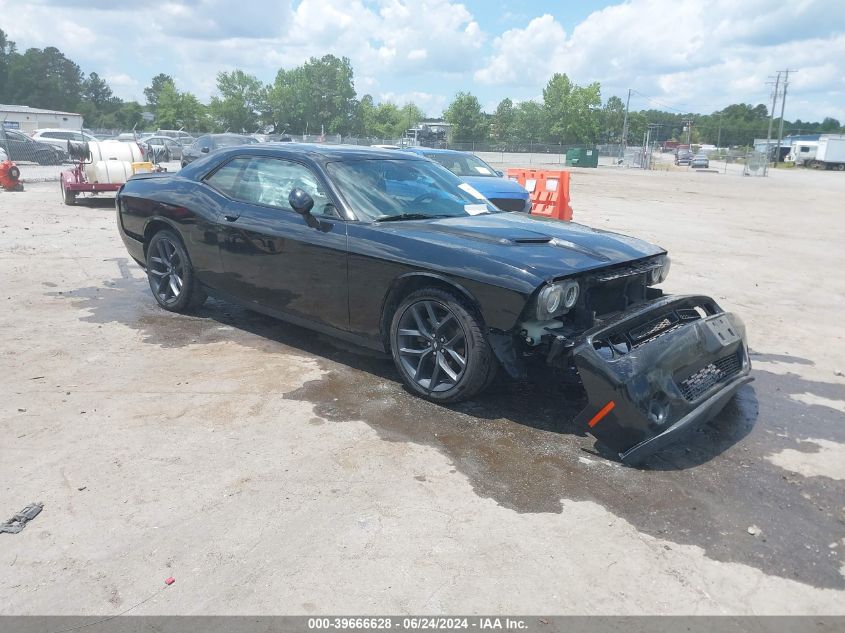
(658, 274)
(556, 299)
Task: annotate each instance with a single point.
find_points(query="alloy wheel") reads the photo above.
(166, 271)
(432, 345)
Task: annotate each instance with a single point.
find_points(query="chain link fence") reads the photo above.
(518, 152)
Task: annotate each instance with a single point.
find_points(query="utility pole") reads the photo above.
(688, 125)
(625, 128)
(772, 119)
(782, 108)
(719, 135)
(648, 142)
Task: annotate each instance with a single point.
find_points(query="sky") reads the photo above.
(691, 56)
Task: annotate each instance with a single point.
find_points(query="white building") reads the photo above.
(26, 119)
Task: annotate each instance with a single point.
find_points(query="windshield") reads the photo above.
(405, 189)
(463, 164)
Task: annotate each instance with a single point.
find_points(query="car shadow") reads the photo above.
(547, 402)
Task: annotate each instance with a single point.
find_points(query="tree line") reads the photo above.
(319, 97)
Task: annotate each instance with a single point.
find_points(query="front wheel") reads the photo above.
(171, 274)
(439, 347)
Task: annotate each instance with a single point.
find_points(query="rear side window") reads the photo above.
(226, 179)
(268, 182)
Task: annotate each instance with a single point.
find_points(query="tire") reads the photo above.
(69, 197)
(430, 332)
(171, 274)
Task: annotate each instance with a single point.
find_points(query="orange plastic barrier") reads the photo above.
(549, 191)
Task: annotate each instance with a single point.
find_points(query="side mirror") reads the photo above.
(204, 150)
(300, 201)
(500, 174)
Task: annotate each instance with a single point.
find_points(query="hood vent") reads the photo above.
(541, 239)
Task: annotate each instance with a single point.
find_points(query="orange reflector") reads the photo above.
(602, 412)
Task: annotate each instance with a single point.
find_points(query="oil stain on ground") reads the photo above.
(517, 443)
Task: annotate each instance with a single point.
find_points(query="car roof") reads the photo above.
(335, 152)
(59, 129)
(310, 152)
(433, 150)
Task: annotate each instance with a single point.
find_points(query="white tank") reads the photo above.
(111, 171)
(111, 161)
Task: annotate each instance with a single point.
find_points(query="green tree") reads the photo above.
(411, 116)
(830, 125)
(467, 120)
(158, 84)
(96, 90)
(7, 51)
(242, 101)
(319, 95)
(43, 79)
(571, 111)
(177, 110)
(504, 120)
(528, 122)
(612, 119)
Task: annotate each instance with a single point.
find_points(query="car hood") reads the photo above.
(493, 187)
(527, 246)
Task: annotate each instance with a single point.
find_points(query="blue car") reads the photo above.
(506, 194)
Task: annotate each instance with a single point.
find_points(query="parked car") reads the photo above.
(211, 143)
(163, 148)
(3, 156)
(58, 137)
(394, 252)
(683, 157)
(183, 137)
(700, 161)
(20, 147)
(506, 194)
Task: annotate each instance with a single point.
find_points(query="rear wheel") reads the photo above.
(171, 274)
(439, 347)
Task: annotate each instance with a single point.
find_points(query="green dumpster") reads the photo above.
(582, 157)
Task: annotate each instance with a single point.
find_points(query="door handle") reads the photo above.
(231, 218)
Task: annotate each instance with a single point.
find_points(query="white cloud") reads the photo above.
(431, 104)
(696, 55)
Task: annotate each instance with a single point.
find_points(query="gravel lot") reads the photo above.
(272, 470)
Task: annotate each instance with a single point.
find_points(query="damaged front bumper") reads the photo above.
(658, 370)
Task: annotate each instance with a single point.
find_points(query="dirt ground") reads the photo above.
(271, 470)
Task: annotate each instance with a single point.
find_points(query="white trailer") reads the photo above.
(802, 152)
(830, 154)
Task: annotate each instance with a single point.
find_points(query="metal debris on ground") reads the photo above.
(19, 521)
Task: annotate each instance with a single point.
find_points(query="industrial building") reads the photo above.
(26, 119)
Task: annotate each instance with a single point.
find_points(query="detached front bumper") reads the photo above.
(659, 370)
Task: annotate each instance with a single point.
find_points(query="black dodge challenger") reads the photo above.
(392, 251)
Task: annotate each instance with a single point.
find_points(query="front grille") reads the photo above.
(696, 385)
(622, 341)
(509, 204)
